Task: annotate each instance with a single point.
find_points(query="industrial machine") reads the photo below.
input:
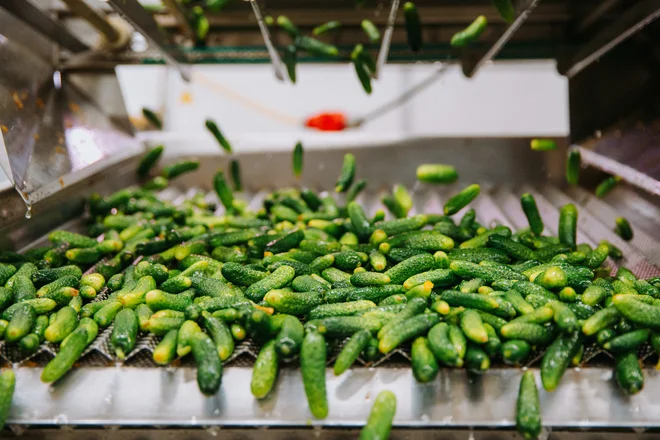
(65, 133)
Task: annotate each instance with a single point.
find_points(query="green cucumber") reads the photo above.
(567, 230)
(68, 354)
(347, 173)
(21, 322)
(165, 351)
(412, 266)
(528, 408)
(279, 278)
(340, 309)
(442, 347)
(351, 351)
(515, 351)
(532, 333)
(413, 26)
(406, 330)
(628, 373)
(264, 372)
(65, 322)
(209, 366)
(424, 365)
(124, 333)
(313, 356)
(381, 416)
(528, 203)
(557, 359)
(293, 303)
(627, 341)
(473, 327)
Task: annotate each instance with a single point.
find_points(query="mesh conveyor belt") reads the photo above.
(494, 205)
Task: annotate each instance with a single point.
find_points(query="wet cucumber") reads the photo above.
(529, 207)
(412, 266)
(402, 225)
(351, 351)
(489, 274)
(628, 373)
(22, 320)
(513, 249)
(124, 333)
(290, 335)
(627, 341)
(143, 313)
(22, 289)
(7, 386)
(515, 351)
(64, 281)
(340, 309)
(462, 199)
(293, 303)
(186, 332)
(40, 305)
(343, 326)
(473, 327)
(476, 359)
(528, 408)
(158, 300)
(165, 351)
(209, 367)
(381, 416)
(413, 26)
(65, 322)
(313, 356)
(347, 173)
(567, 230)
(365, 279)
(600, 320)
(518, 302)
(73, 239)
(424, 365)
(282, 276)
(70, 351)
(264, 372)
(359, 220)
(220, 334)
(557, 358)
(439, 278)
(106, 315)
(532, 333)
(442, 347)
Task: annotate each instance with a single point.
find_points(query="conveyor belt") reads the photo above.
(450, 402)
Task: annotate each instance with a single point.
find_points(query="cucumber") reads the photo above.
(381, 416)
(424, 365)
(158, 300)
(45, 276)
(594, 295)
(210, 287)
(628, 373)
(65, 322)
(138, 294)
(442, 347)
(405, 330)
(365, 279)
(627, 341)
(473, 327)
(636, 311)
(489, 274)
(476, 359)
(148, 161)
(186, 332)
(351, 351)
(567, 230)
(528, 202)
(290, 335)
(306, 283)
(124, 333)
(413, 27)
(513, 249)
(347, 173)
(557, 358)
(359, 220)
(412, 266)
(179, 168)
(623, 229)
(40, 325)
(439, 278)
(478, 301)
(209, 367)
(532, 333)
(470, 33)
(428, 241)
(64, 281)
(165, 351)
(22, 289)
(471, 286)
(40, 305)
(7, 387)
(22, 320)
(374, 293)
(573, 166)
(518, 302)
(70, 351)
(343, 326)
(528, 408)
(477, 255)
(607, 185)
(462, 199)
(313, 356)
(72, 239)
(226, 254)
(436, 173)
(600, 320)
(29, 343)
(143, 313)
(402, 225)
(340, 309)
(264, 373)
(515, 351)
(493, 346)
(540, 316)
(564, 317)
(288, 241)
(106, 315)
(279, 278)
(293, 303)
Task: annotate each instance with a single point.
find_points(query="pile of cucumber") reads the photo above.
(306, 271)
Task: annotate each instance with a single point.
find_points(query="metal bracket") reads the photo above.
(471, 67)
(274, 55)
(387, 39)
(632, 21)
(137, 16)
(42, 23)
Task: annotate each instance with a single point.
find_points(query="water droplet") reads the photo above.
(447, 419)
(193, 420)
(607, 375)
(108, 399)
(60, 419)
(28, 212)
(577, 369)
(216, 411)
(634, 409)
(213, 431)
(317, 431)
(424, 418)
